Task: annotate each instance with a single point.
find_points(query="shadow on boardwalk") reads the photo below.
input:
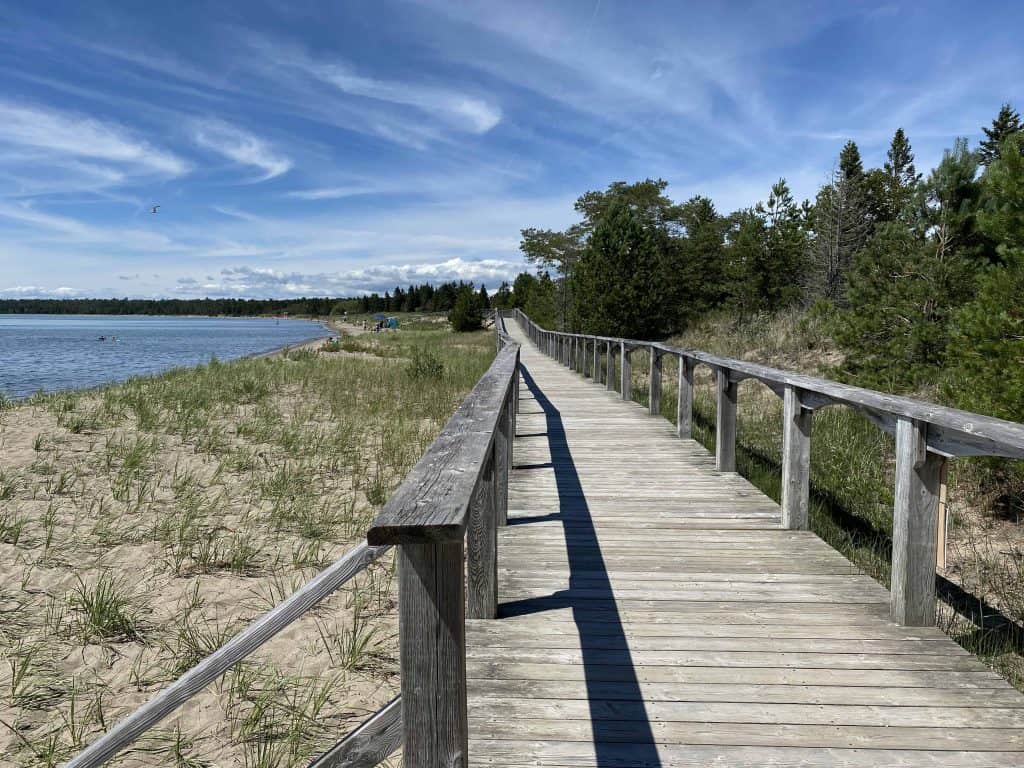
(607, 676)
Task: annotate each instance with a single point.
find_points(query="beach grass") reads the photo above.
(144, 524)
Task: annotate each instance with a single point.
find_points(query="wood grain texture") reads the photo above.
(796, 461)
(432, 645)
(626, 372)
(481, 547)
(654, 384)
(370, 744)
(432, 503)
(684, 399)
(725, 421)
(653, 610)
(914, 526)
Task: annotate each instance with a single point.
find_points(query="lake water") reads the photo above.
(54, 352)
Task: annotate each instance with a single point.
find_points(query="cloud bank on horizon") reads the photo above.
(311, 149)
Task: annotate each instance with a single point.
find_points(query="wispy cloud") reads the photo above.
(459, 109)
(69, 135)
(240, 146)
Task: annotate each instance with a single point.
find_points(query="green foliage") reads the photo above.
(425, 364)
(986, 372)
(903, 290)
(1006, 124)
(541, 300)
(622, 283)
(466, 314)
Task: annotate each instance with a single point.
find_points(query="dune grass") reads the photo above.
(144, 524)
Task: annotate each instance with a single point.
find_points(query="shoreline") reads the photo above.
(328, 331)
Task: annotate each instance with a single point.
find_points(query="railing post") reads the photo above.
(796, 461)
(654, 384)
(432, 642)
(609, 371)
(725, 427)
(595, 369)
(684, 399)
(482, 542)
(626, 373)
(912, 587)
(503, 458)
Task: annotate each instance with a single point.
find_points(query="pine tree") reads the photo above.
(842, 225)
(1006, 124)
(902, 291)
(485, 301)
(701, 273)
(901, 177)
(622, 283)
(785, 248)
(850, 165)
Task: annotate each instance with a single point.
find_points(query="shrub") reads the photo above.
(425, 365)
(466, 314)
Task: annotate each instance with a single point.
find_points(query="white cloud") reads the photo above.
(71, 135)
(38, 292)
(240, 146)
(461, 110)
(259, 282)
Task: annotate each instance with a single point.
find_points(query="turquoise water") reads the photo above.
(55, 352)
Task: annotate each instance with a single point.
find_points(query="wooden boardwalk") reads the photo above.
(652, 612)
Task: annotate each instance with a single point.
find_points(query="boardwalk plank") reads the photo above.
(652, 611)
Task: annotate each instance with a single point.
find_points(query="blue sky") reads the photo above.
(335, 148)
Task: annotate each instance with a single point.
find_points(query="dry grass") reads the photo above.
(142, 525)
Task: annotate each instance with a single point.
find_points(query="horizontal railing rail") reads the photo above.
(926, 435)
(459, 486)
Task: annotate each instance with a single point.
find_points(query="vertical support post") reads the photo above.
(796, 461)
(654, 383)
(725, 426)
(609, 372)
(482, 543)
(503, 459)
(432, 642)
(595, 366)
(942, 528)
(626, 373)
(912, 589)
(684, 399)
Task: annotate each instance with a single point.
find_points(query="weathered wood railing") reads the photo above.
(458, 490)
(926, 434)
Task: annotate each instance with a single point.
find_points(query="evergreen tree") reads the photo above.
(1001, 212)
(622, 284)
(850, 165)
(747, 261)
(1006, 124)
(522, 287)
(485, 300)
(842, 225)
(465, 314)
(541, 302)
(785, 248)
(902, 291)
(949, 203)
(702, 260)
(901, 177)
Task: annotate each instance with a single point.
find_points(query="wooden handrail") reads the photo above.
(926, 434)
(218, 662)
(460, 484)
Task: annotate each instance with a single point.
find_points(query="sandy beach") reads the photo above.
(144, 524)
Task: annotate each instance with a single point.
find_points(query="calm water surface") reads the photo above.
(53, 352)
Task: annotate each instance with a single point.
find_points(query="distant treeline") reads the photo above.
(415, 298)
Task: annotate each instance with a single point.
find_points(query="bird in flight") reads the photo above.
(154, 208)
